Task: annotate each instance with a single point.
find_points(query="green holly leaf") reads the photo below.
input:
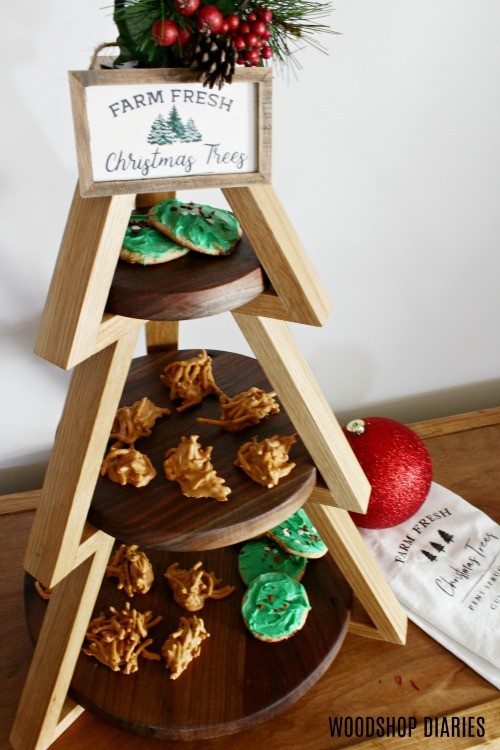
(134, 22)
(227, 6)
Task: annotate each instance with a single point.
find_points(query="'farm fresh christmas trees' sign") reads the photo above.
(152, 130)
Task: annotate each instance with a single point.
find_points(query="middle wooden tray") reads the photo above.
(158, 515)
(194, 286)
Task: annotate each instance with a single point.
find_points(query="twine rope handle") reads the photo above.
(99, 48)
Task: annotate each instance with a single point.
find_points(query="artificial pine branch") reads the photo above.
(294, 22)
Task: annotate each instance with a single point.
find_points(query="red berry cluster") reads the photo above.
(167, 32)
(250, 35)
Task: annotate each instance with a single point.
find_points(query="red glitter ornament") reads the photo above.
(397, 465)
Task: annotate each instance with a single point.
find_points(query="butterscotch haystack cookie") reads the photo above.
(191, 467)
(244, 409)
(191, 587)
(266, 462)
(190, 380)
(44, 592)
(125, 465)
(136, 421)
(118, 641)
(184, 645)
(132, 568)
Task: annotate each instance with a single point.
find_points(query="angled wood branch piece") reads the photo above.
(303, 400)
(362, 573)
(267, 304)
(281, 253)
(113, 327)
(82, 277)
(91, 403)
(65, 622)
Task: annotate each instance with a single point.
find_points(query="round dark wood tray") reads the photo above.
(236, 682)
(158, 515)
(194, 286)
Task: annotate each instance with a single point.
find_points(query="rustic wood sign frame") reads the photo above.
(89, 130)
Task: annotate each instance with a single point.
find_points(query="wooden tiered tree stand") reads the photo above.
(94, 312)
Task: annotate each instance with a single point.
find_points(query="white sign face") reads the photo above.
(157, 130)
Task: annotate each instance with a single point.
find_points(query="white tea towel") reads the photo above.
(485, 668)
(443, 564)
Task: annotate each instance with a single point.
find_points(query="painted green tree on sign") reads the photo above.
(175, 123)
(161, 133)
(191, 132)
(166, 131)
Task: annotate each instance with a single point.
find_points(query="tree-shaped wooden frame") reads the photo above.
(64, 551)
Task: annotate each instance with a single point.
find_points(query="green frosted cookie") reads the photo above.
(298, 536)
(262, 556)
(275, 607)
(208, 230)
(144, 244)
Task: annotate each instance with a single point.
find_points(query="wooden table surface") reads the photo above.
(368, 678)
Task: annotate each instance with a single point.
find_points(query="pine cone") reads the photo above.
(215, 56)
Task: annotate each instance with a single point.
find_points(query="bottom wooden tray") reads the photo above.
(236, 682)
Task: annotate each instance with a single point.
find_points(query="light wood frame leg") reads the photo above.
(302, 297)
(93, 396)
(43, 712)
(349, 551)
(303, 400)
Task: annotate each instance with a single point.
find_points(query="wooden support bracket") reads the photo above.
(162, 336)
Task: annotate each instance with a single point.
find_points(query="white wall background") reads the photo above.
(387, 159)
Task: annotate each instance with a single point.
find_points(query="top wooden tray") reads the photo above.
(158, 515)
(194, 286)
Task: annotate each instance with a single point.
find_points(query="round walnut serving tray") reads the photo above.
(158, 515)
(193, 286)
(236, 682)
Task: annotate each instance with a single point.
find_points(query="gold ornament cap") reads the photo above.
(356, 426)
